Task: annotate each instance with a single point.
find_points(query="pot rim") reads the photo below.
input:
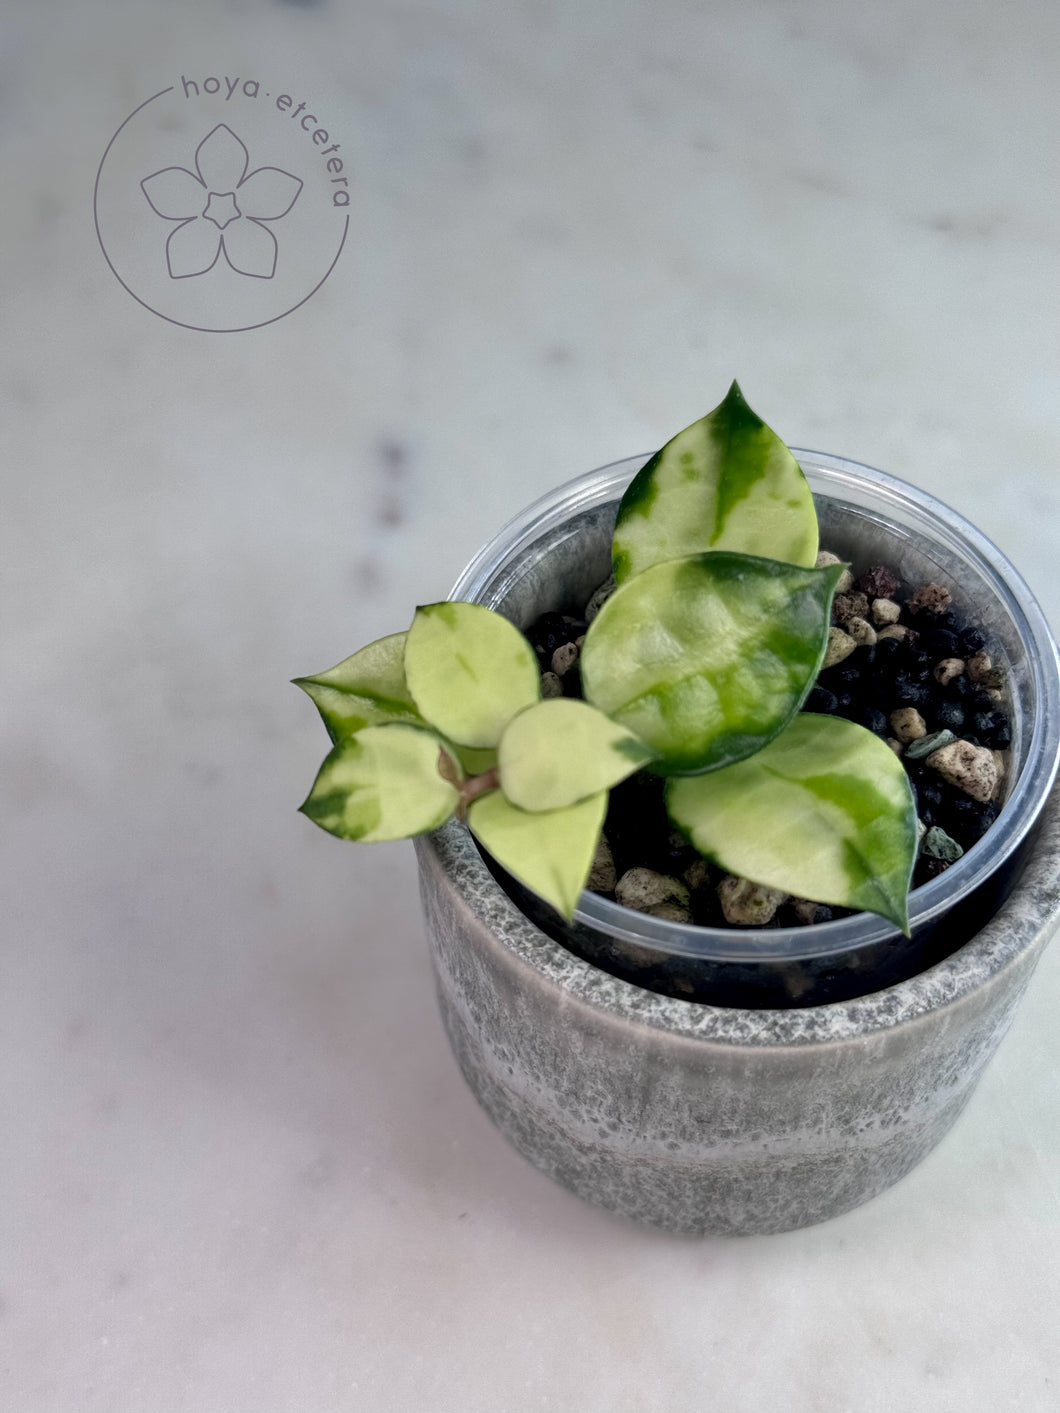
(1023, 924)
(841, 479)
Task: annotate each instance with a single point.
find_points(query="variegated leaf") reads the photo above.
(367, 689)
(727, 482)
(825, 812)
(384, 783)
(551, 851)
(706, 659)
(469, 671)
(559, 751)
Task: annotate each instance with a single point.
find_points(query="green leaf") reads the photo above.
(383, 783)
(706, 659)
(726, 483)
(474, 762)
(469, 671)
(367, 689)
(825, 812)
(559, 751)
(551, 852)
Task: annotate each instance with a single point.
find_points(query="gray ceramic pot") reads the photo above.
(703, 1119)
(768, 1114)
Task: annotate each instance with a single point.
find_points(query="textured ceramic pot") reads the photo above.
(702, 1119)
(735, 1117)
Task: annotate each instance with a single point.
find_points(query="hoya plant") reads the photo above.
(695, 668)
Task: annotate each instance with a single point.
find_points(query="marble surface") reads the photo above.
(240, 1169)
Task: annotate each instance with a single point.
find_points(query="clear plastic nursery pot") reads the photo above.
(733, 1082)
(556, 552)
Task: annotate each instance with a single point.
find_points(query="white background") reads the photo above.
(239, 1172)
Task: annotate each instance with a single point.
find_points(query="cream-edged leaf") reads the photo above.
(367, 689)
(385, 782)
(561, 750)
(727, 482)
(551, 852)
(825, 812)
(469, 671)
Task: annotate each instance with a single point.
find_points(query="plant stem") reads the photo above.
(477, 785)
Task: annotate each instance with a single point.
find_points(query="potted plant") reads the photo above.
(697, 1117)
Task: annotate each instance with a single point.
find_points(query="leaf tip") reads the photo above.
(898, 913)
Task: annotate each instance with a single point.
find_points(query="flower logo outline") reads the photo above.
(221, 208)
